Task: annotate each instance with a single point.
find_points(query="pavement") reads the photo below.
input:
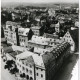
(5, 75)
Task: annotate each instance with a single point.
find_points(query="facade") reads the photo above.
(24, 36)
(71, 36)
(43, 42)
(5, 33)
(38, 41)
(36, 30)
(57, 27)
(11, 32)
(25, 64)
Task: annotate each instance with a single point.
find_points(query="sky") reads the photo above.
(41, 1)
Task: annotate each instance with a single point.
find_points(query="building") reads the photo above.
(39, 41)
(11, 32)
(51, 36)
(42, 66)
(25, 64)
(36, 30)
(15, 16)
(72, 36)
(25, 34)
(57, 27)
(51, 12)
(76, 23)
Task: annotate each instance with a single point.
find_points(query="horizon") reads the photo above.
(40, 1)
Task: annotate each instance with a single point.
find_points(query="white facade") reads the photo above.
(40, 73)
(25, 67)
(67, 37)
(35, 30)
(57, 27)
(23, 36)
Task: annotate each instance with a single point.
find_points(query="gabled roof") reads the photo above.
(49, 57)
(23, 31)
(29, 60)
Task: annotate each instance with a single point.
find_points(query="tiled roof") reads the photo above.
(51, 56)
(8, 49)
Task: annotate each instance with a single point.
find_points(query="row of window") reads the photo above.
(30, 71)
(26, 64)
(67, 36)
(39, 68)
(37, 74)
(22, 40)
(67, 40)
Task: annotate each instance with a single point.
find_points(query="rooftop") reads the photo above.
(23, 31)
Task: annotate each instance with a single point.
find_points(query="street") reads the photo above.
(5, 75)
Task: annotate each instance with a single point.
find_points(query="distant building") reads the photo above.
(36, 30)
(51, 12)
(57, 27)
(72, 36)
(76, 23)
(25, 34)
(15, 16)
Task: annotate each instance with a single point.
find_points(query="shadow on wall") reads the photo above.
(65, 72)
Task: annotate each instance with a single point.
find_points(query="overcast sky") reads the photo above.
(41, 1)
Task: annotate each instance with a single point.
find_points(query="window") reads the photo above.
(37, 68)
(20, 65)
(26, 70)
(30, 72)
(41, 69)
(23, 62)
(23, 68)
(41, 75)
(37, 74)
(26, 64)
(50, 39)
(30, 66)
